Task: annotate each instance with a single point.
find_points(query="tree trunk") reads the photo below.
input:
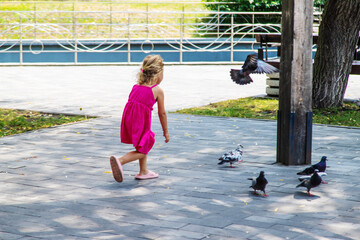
(338, 36)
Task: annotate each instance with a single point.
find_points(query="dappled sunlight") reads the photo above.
(244, 199)
(136, 192)
(265, 153)
(257, 150)
(210, 151)
(148, 206)
(172, 160)
(342, 228)
(338, 192)
(175, 202)
(222, 203)
(327, 138)
(195, 209)
(304, 205)
(76, 222)
(62, 185)
(188, 207)
(266, 236)
(166, 183)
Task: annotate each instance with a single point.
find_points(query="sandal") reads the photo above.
(149, 175)
(117, 169)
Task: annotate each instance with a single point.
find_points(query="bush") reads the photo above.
(246, 6)
(253, 5)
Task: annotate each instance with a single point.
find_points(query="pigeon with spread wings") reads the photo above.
(252, 65)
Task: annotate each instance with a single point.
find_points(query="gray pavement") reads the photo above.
(56, 182)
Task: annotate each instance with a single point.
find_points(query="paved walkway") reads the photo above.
(55, 182)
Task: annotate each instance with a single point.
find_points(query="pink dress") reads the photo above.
(136, 119)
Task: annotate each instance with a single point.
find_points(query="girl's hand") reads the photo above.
(167, 137)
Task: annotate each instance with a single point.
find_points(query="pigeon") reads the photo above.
(232, 156)
(252, 65)
(259, 183)
(321, 166)
(314, 181)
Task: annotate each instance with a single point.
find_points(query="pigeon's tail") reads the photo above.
(301, 184)
(307, 171)
(221, 163)
(239, 77)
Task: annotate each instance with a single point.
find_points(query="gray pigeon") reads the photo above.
(259, 183)
(252, 65)
(314, 181)
(232, 156)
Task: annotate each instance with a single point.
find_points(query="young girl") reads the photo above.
(136, 119)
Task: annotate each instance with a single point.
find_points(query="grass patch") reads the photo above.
(18, 121)
(264, 108)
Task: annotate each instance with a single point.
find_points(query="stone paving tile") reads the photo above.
(56, 183)
(193, 198)
(9, 236)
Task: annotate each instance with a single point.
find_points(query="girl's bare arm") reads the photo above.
(162, 114)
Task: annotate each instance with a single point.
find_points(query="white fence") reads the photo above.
(116, 31)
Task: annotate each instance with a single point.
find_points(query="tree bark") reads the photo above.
(338, 36)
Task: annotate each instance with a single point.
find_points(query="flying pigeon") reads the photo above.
(321, 166)
(252, 65)
(259, 183)
(232, 156)
(312, 182)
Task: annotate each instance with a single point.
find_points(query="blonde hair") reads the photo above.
(151, 68)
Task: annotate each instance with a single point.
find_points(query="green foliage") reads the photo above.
(264, 108)
(246, 5)
(15, 121)
(271, 8)
(252, 5)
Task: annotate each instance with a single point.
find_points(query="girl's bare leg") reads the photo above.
(131, 156)
(135, 155)
(143, 165)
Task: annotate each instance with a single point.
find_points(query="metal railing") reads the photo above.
(39, 32)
